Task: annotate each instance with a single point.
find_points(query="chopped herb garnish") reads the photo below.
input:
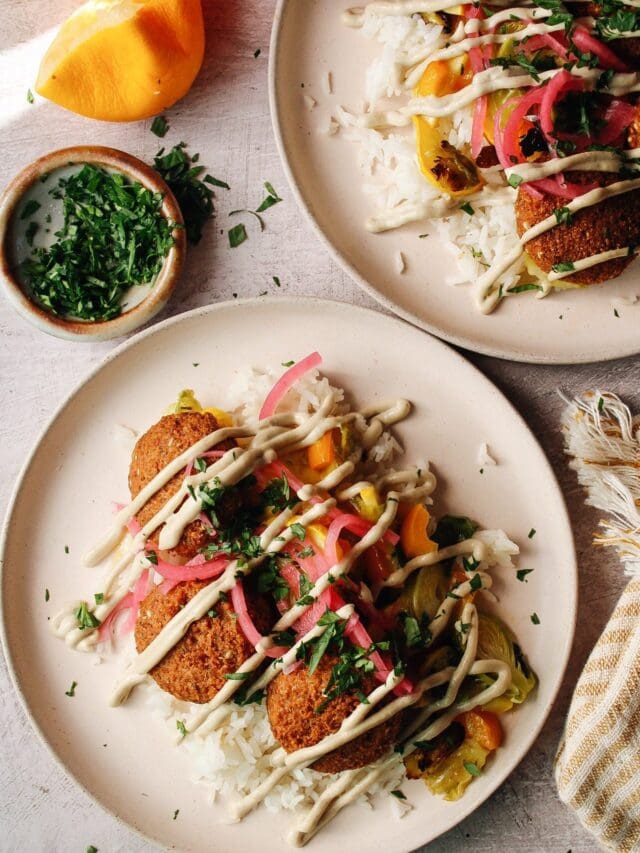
(159, 126)
(531, 533)
(66, 549)
(276, 281)
(398, 794)
(114, 235)
(521, 574)
(92, 849)
(237, 235)
(29, 234)
(563, 266)
(46, 595)
(601, 404)
(563, 215)
(30, 98)
(85, 617)
(30, 208)
(152, 557)
(288, 363)
(422, 236)
(99, 597)
(271, 198)
(256, 53)
(216, 182)
(192, 194)
(72, 690)
(200, 464)
(237, 676)
(176, 813)
(467, 208)
(535, 618)
(615, 313)
(471, 768)
(475, 583)
(184, 731)
(298, 530)
(515, 180)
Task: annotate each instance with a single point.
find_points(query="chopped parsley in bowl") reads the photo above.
(92, 243)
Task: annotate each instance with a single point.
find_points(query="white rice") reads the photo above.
(235, 759)
(388, 163)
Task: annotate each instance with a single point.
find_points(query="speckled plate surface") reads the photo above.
(308, 42)
(124, 757)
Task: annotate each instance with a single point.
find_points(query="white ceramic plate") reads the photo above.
(124, 757)
(308, 42)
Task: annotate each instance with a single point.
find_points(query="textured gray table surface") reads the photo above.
(226, 118)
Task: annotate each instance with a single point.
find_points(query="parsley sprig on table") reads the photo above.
(114, 235)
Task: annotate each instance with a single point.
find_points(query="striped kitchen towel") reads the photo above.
(598, 763)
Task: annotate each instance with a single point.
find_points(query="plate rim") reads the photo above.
(253, 303)
(343, 261)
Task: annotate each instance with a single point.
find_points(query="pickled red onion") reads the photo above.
(477, 127)
(198, 568)
(107, 627)
(562, 189)
(588, 43)
(560, 84)
(244, 619)
(285, 382)
(355, 524)
(510, 140)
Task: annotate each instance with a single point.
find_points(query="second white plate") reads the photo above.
(308, 43)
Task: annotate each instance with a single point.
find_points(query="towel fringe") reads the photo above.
(603, 438)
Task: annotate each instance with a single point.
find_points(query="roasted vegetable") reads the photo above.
(444, 166)
(482, 726)
(495, 640)
(413, 534)
(187, 402)
(452, 529)
(322, 452)
(450, 776)
(368, 504)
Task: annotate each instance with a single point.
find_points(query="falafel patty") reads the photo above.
(612, 224)
(291, 705)
(160, 445)
(213, 646)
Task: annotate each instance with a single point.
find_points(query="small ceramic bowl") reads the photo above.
(148, 300)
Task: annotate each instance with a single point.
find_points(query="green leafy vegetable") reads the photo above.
(114, 236)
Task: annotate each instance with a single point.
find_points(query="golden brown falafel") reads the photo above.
(291, 703)
(213, 647)
(160, 444)
(611, 224)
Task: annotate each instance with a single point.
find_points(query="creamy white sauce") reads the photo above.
(592, 261)
(281, 433)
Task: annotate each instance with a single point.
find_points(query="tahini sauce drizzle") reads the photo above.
(272, 435)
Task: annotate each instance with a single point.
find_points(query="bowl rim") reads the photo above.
(165, 282)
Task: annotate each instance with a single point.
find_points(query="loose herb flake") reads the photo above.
(471, 768)
(184, 731)
(159, 126)
(535, 618)
(237, 235)
(521, 574)
(398, 794)
(72, 690)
